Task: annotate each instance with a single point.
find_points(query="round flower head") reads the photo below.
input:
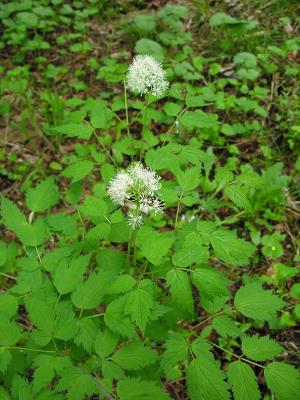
(118, 188)
(146, 75)
(136, 188)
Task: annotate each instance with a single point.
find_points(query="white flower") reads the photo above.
(146, 75)
(135, 220)
(145, 177)
(119, 188)
(136, 189)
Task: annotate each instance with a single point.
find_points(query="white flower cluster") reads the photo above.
(136, 189)
(146, 75)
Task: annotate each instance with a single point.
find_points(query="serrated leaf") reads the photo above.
(8, 305)
(106, 343)
(205, 381)
(10, 332)
(226, 327)
(139, 304)
(189, 250)
(45, 368)
(86, 334)
(176, 351)
(243, 381)
(78, 383)
(43, 196)
(238, 195)
(5, 358)
(255, 302)
(230, 249)
(3, 253)
(78, 170)
(181, 291)
(65, 325)
(134, 388)
(210, 282)
(67, 277)
(116, 320)
(283, 380)
(198, 119)
(202, 349)
(29, 234)
(81, 131)
(134, 356)
(90, 293)
(260, 348)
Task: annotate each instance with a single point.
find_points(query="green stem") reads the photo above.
(104, 148)
(8, 276)
(235, 355)
(144, 125)
(129, 247)
(26, 349)
(177, 211)
(126, 109)
(93, 316)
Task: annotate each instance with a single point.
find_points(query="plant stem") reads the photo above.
(8, 276)
(126, 109)
(93, 316)
(104, 148)
(26, 349)
(144, 125)
(235, 355)
(177, 211)
(129, 247)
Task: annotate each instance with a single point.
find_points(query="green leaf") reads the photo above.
(105, 343)
(226, 327)
(134, 356)
(139, 304)
(149, 47)
(283, 380)
(198, 119)
(90, 293)
(172, 109)
(45, 368)
(80, 131)
(181, 291)
(3, 253)
(43, 196)
(205, 381)
(93, 207)
(116, 320)
(78, 170)
(210, 282)
(134, 388)
(189, 179)
(255, 302)
(29, 234)
(86, 335)
(78, 383)
(10, 332)
(5, 359)
(176, 351)
(230, 249)
(68, 276)
(243, 381)
(8, 305)
(65, 326)
(101, 116)
(154, 245)
(189, 251)
(260, 348)
(238, 194)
